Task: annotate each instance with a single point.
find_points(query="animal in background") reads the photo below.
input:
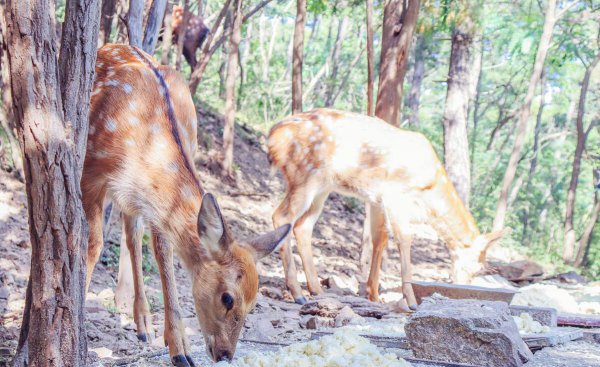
(194, 36)
(396, 172)
(141, 143)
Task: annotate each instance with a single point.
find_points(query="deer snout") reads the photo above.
(224, 355)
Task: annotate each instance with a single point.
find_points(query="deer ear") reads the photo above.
(269, 242)
(213, 232)
(493, 237)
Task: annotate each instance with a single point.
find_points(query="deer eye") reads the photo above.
(227, 300)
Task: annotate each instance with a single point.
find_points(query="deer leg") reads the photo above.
(175, 338)
(287, 212)
(303, 230)
(124, 293)
(379, 235)
(92, 205)
(134, 231)
(404, 243)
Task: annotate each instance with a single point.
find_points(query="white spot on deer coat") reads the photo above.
(172, 167)
(111, 125)
(133, 121)
(101, 154)
(186, 192)
(112, 83)
(133, 105)
(127, 88)
(155, 128)
(129, 142)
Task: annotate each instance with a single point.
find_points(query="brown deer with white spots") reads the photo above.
(396, 172)
(194, 35)
(140, 149)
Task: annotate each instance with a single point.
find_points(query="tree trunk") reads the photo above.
(135, 19)
(398, 27)
(536, 148)
(225, 53)
(153, 24)
(456, 141)
(167, 38)
(335, 62)
(297, 57)
(108, 12)
(183, 27)
(523, 114)
(229, 129)
(569, 245)
(51, 105)
(414, 95)
(586, 239)
(370, 58)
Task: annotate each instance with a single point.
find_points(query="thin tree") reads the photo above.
(229, 129)
(51, 104)
(398, 26)
(335, 61)
(297, 56)
(135, 20)
(370, 58)
(156, 15)
(456, 141)
(183, 26)
(550, 20)
(414, 94)
(167, 35)
(586, 238)
(109, 8)
(582, 134)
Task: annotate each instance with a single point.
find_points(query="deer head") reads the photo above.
(225, 283)
(470, 261)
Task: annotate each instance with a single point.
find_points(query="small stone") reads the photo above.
(4, 292)
(316, 322)
(326, 307)
(347, 316)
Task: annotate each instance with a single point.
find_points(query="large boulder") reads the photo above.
(481, 333)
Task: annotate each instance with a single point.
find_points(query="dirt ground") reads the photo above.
(248, 208)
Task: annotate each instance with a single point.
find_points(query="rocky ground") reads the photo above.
(247, 206)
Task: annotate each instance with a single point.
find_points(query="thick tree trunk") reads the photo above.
(398, 27)
(569, 244)
(586, 238)
(229, 129)
(135, 20)
(181, 38)
(108, 12)
(456, 141)
(370, 58)
(335, 62)
(51, 104)
(297, 57)
(153, 24)
(523, 114)
(414, 95)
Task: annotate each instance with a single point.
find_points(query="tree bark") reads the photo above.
(456, 141)
(108, 12)
(297, 57)
(398, 27)
(370, 58)
(229, 129)
(414, 95)
(524, 111)
(153, 24)
(51, 104)
(569, 244)
(586, 239)
(183, 27)
(167, 40)
(135, 20)
(335, 62)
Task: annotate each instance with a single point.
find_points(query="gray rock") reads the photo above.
(325, 307)
(4, 292)
(480, 333)
(347, 316)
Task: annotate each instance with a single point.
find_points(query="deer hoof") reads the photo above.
(301, 300)
(180, 361)
(413, 306)
(143, 337)
(190, 360)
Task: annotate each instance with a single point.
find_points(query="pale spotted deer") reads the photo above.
(194, 35)
(396, 172)
(141, 141)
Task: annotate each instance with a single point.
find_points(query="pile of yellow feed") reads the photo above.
(342, 349)
(527, 325)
